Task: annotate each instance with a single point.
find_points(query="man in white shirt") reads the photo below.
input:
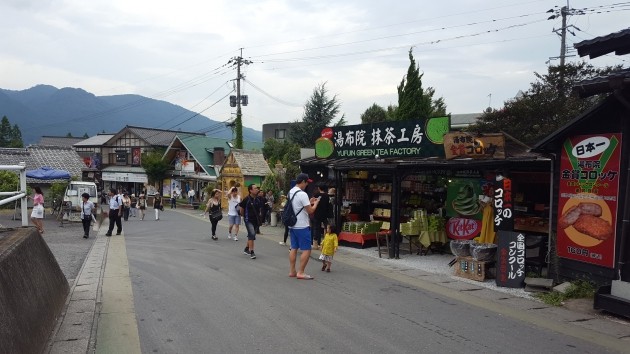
(115, 212)
(301, 231)
(191, 196)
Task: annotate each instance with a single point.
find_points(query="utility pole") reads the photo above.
(238, 100)
(563, 36)
(564, 12)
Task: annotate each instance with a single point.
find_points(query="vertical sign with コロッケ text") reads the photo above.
(589, 193)
(503, 208)
(511, 259)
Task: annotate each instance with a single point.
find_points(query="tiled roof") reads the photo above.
(97, 140)
(59, 140)
(251, 163)
(36, 156)
(156, 137)
(603, 84)
(618, 42)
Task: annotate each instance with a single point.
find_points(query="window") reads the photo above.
(280, 134)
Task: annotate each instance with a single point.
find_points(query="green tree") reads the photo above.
(415, 102)
(546, 106)
(69, 135)
(276, 151)
(86, 135)
(16, 137)
(154, 166)
(374, 114)
(5, 132)
(319, 112)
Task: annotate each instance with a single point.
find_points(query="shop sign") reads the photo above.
(397, 139)
(511, 259)
(234, 171)
(125, 177)
(466, 145)
(589, 192)
(462, 228)
(503, 207)
(121, 157)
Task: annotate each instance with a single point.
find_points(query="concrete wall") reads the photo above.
(33, 291)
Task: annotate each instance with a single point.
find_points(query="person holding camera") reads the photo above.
(234, 218)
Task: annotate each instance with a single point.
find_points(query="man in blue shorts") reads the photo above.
(301, 232)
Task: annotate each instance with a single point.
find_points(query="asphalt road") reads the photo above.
(195, 295)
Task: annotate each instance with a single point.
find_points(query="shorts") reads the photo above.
(234, 219)
(301, 239)
(251, 230)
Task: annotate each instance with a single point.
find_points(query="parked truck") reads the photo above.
(75, 189)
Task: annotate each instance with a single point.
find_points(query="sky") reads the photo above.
(475, 54)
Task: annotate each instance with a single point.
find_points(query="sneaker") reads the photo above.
(235, 238)
(246, 250)
(229, 236)
(252, 255)
(108, 234)
(282, 243)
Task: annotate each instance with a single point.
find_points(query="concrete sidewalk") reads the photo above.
(100, 317)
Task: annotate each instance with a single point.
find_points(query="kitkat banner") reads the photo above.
(589, 192)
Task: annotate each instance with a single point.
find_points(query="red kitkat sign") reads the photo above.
(589, 194)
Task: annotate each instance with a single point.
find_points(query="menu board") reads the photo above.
(589, 193)
(511, 259)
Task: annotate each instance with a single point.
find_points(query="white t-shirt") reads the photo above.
(233, 205)
(300, 201)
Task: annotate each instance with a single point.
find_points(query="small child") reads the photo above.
(329, 247)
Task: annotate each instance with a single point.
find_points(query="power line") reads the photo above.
(270, 96)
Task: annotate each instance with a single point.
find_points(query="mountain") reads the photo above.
(47, 110)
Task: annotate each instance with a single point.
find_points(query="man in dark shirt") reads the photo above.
(250, 211)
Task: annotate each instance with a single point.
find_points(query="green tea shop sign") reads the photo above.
(399, 139)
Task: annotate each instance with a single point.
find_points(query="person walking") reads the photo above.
(329, 247)
(126, 206)
(250, 209)
(283, 204)
(115, 212)
(270, 200)
(262, 202)
(234, 218)
(142, 206)
(191, 196)
(134, 205)
(320, 217)
(213, 207)
(301, 232)
(174, 199)
(87, 209)
(37, 215)
(157, 205)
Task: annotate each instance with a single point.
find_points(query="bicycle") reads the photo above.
(56, 207)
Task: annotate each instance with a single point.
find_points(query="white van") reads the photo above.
(74, 191)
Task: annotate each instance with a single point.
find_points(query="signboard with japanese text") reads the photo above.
(503, 207)
(589, 192)
(466, 145)
(510, 259)
(396, 139)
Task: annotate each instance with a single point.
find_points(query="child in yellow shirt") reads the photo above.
(329, 247)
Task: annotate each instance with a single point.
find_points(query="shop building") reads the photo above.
(392, 172)
(591, 184)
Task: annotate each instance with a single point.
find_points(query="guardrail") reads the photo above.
(21, 194)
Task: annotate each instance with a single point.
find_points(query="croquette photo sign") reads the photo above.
(589, 193)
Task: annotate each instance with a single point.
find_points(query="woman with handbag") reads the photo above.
(214, 208)
(38, 209)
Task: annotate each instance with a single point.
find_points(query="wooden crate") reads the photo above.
(467, 267)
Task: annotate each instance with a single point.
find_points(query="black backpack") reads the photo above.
(289, 216)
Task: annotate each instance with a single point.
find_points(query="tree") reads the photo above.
(69, 135)
(546, 106)
(154, 166)
(284, 152)
(319, 112)
(414, 102)
(86, 135)
(16, 137)
(10, 136)
(5, 132)
(374, 114)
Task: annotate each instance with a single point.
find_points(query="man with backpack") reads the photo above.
(298, 215)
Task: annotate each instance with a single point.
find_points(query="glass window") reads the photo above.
(280, 133)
